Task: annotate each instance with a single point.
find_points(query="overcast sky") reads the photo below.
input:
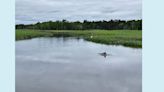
(32, 11)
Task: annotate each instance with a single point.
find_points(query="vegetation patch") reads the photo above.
(131, 38)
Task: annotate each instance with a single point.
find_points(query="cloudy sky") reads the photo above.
(32, 11)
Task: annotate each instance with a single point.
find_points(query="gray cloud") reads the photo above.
(32, 11)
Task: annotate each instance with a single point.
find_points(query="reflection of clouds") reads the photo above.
(42, 59)
(30, 11)
(71, 63)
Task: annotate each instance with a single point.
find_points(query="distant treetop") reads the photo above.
(85, 25)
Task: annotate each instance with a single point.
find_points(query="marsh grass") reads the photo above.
(131, 38)
(28, 34)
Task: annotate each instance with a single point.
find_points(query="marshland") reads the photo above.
(89, 56)
(131, 38)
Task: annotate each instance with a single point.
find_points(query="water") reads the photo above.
(75, 65)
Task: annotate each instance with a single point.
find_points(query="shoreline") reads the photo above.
(128, 38)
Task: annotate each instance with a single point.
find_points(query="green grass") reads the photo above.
(131, 38)
(28, 34)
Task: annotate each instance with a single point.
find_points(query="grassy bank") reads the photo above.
(132, 38)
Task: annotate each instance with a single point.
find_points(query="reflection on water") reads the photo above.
(74, 65)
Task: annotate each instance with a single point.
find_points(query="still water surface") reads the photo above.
(74, 65)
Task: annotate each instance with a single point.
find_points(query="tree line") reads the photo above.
(85, 25)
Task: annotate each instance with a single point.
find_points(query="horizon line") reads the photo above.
(77, 21)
